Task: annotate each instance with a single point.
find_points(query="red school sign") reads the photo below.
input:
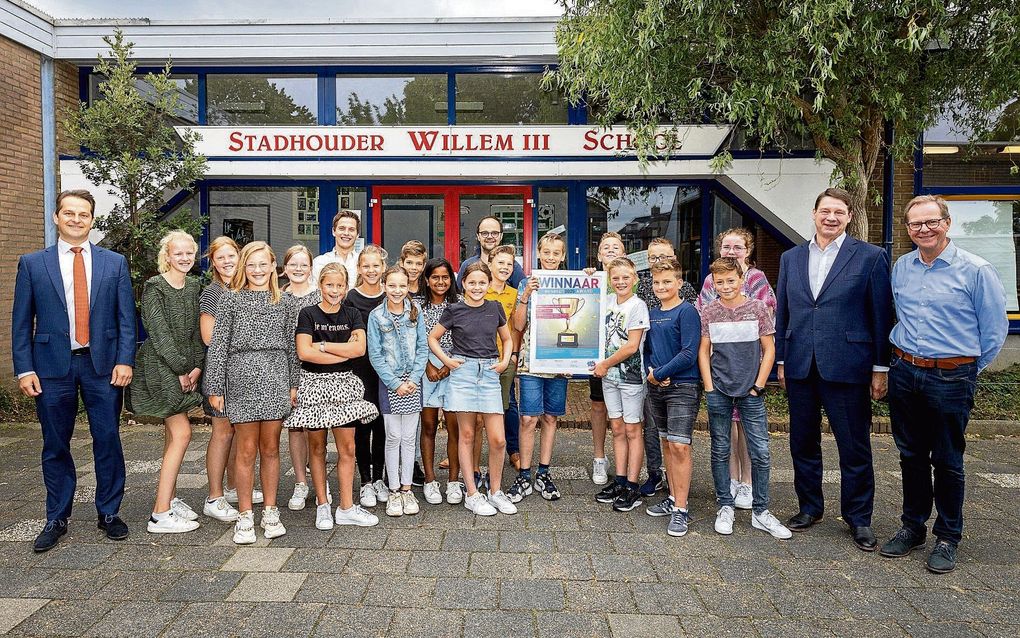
(225, 142)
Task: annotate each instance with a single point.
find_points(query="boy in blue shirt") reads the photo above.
(674, 389)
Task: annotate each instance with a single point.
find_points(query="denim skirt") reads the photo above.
(473, 387)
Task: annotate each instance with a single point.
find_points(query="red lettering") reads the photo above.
(235, 141)
(332, 143)
(423, 140)
(504, 143)
(297, 143)
(362, 142)
(377, 143)
(314, 142)
(264, 143)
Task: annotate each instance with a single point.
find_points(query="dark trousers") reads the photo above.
(653, 448)
(930, 409)
(848, 406)
(512, 422)
(57, 408)
(369, 438)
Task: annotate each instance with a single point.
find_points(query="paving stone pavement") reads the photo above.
(565, 568)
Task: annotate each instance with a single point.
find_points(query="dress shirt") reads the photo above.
(955, 307)
(350, 263)
(66, 258)
(820, 261)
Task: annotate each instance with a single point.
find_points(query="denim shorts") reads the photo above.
(474, 387)
(543, 395)
(672, 410)
(624, 400)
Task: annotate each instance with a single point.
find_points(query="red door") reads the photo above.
(445, 218)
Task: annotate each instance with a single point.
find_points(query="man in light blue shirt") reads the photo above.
(952, 323)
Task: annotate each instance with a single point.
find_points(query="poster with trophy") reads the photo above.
(567, 322)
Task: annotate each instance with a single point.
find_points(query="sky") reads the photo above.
(317, 10)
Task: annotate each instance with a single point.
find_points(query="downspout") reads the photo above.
(49, 149)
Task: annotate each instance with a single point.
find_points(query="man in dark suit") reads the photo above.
(73, 332)
(832, 350)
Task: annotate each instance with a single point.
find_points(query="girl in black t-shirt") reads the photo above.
(330, 334)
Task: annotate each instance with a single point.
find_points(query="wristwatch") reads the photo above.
(322, 346)
(758, 390)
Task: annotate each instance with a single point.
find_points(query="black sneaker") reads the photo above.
(942, 558)
(901, 544)
(48, 538)
(627, 500)
(545, 486)
(115, 528)
(520, 489)
(650, 486)
(609, 493)
(417, 476)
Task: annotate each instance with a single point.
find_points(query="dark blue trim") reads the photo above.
(577, 226)
(451, 98)
(1014, 326)
(970, 190)
(203, 100)
(772, 154)
(887, 193)
(452, 158)
(179, 198)
(329, 204)
(203, 209)
(83, 84)
(707, 229)
(325, 100)
(919, 165)
(346, 69)
(369, 222)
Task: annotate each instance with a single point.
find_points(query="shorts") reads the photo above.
(672, 410)
(434, 393)
(543, 395)
(624, 400)
(506, 381)
(474, 387)
(595, 389)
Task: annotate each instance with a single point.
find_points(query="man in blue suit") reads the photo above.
(832, 350)
(73, 332)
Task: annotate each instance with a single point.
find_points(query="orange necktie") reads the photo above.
(81, 298)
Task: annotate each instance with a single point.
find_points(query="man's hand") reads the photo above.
(121, 375)
(600, 369)
(782, 376)
(652, 379)
(30, 385)
(879, 385)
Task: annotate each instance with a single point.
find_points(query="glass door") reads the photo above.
(445, 218)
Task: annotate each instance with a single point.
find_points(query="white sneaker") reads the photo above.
(257, 497)
(479, 505)
(271, 524)
(724, 520)
(381, 493)
(734, 484)
(183, 510)
(329, 493)
(220, 509)
(769, 523)
(323, 517)
(599, 471)
(410, 502)
(395, 505)
(500, 501)
(432, 492)
(367, 496)
(454, 492)
(300, 496)
(171, 523)
(244, 528)
(357, 515)
(742, 499)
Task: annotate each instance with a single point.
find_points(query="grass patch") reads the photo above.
(15, 406)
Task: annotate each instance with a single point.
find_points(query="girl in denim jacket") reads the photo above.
(398, 350)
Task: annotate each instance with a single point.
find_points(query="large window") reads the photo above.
(261, 99)
(990, 228)
(187, 95)
(280, 216)
(507, 98)
(640, 213)
(392, 100)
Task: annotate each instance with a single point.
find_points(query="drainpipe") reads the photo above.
(49, 149)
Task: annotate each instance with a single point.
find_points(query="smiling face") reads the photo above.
(439, 281)
(225, 262)
(734, 246)
(728, 284)
(489, 234)
(298, 268)
(665, 285)
(831, 218)
(345, 233)
(609, 249)
(551, 253)
(660, 252)
(333, 287)
(502, 266)
(622, 279)
(413, 264)
(370, 267)
(476, 284)
(931, 241)
(258, 269)
(74, 220)
(181, 256)
(396, 288)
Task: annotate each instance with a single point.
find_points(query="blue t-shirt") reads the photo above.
(671, 347)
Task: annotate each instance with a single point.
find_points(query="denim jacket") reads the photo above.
(396, 347)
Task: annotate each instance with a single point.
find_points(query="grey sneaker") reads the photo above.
(678, 522)
(520, 489)
(664, 507)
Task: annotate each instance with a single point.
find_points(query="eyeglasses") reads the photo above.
(932, 224)
(257, 267)
(658, 258)
(489, 234)
(732, 249)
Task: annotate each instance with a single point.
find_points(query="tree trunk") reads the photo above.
(858, 189)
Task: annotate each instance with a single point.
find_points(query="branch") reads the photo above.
(824, 145)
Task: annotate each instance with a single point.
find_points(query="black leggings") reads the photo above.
(370, 438)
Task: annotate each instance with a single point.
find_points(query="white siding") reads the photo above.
(26, 27)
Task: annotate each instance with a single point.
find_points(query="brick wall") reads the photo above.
(21, 175)
(65, 77)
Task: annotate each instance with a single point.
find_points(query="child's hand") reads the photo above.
(665, 382)
(498, 367)
(600, 369)
(453, 364)
(530, 288)
(589, 271)
(404, 390)
(651, 378)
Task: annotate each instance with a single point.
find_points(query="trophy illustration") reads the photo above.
(569, 307)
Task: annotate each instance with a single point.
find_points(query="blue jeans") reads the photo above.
(756, 431)
(930, 409)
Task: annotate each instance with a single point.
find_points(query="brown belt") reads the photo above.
(949, 363)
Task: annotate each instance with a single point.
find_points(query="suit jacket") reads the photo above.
(846, 329)
(40, 327)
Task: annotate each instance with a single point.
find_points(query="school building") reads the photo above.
(425, 117)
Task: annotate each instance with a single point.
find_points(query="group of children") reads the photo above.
(376, 362)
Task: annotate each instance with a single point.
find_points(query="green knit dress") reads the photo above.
(174, 347)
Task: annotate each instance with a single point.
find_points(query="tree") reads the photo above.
(837, 71)
(130, 147)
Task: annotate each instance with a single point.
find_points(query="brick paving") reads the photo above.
(566, 568)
